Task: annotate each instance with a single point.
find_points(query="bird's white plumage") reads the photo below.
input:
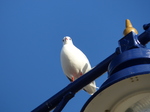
(75, 63)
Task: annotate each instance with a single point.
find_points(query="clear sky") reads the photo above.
(31, 33)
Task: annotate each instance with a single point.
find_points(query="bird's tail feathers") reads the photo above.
(91, 88)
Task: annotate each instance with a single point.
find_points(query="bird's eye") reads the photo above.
(63, 40)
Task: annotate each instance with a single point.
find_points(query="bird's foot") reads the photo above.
(81, 74)
(72, 78)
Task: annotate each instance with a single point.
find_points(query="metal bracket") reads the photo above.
(129, 41)
(64, 101)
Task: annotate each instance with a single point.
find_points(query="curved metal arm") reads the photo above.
(77, 85)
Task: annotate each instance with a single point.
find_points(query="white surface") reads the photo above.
(121, 95)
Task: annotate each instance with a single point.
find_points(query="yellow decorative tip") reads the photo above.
(129, 28)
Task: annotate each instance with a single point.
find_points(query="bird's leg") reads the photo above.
(80, 73)
(72, 78)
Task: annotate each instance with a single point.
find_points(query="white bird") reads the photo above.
(75, 64)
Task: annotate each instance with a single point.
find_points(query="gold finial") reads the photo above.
(129, 28)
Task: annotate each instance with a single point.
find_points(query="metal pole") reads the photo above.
(77, 85)
(144, 38)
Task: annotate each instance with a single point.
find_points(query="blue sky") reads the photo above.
(31, 33)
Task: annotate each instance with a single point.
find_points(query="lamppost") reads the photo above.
(127, 86)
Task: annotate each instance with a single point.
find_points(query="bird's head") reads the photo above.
(67, 40)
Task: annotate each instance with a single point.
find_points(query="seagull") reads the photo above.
(75, 63)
